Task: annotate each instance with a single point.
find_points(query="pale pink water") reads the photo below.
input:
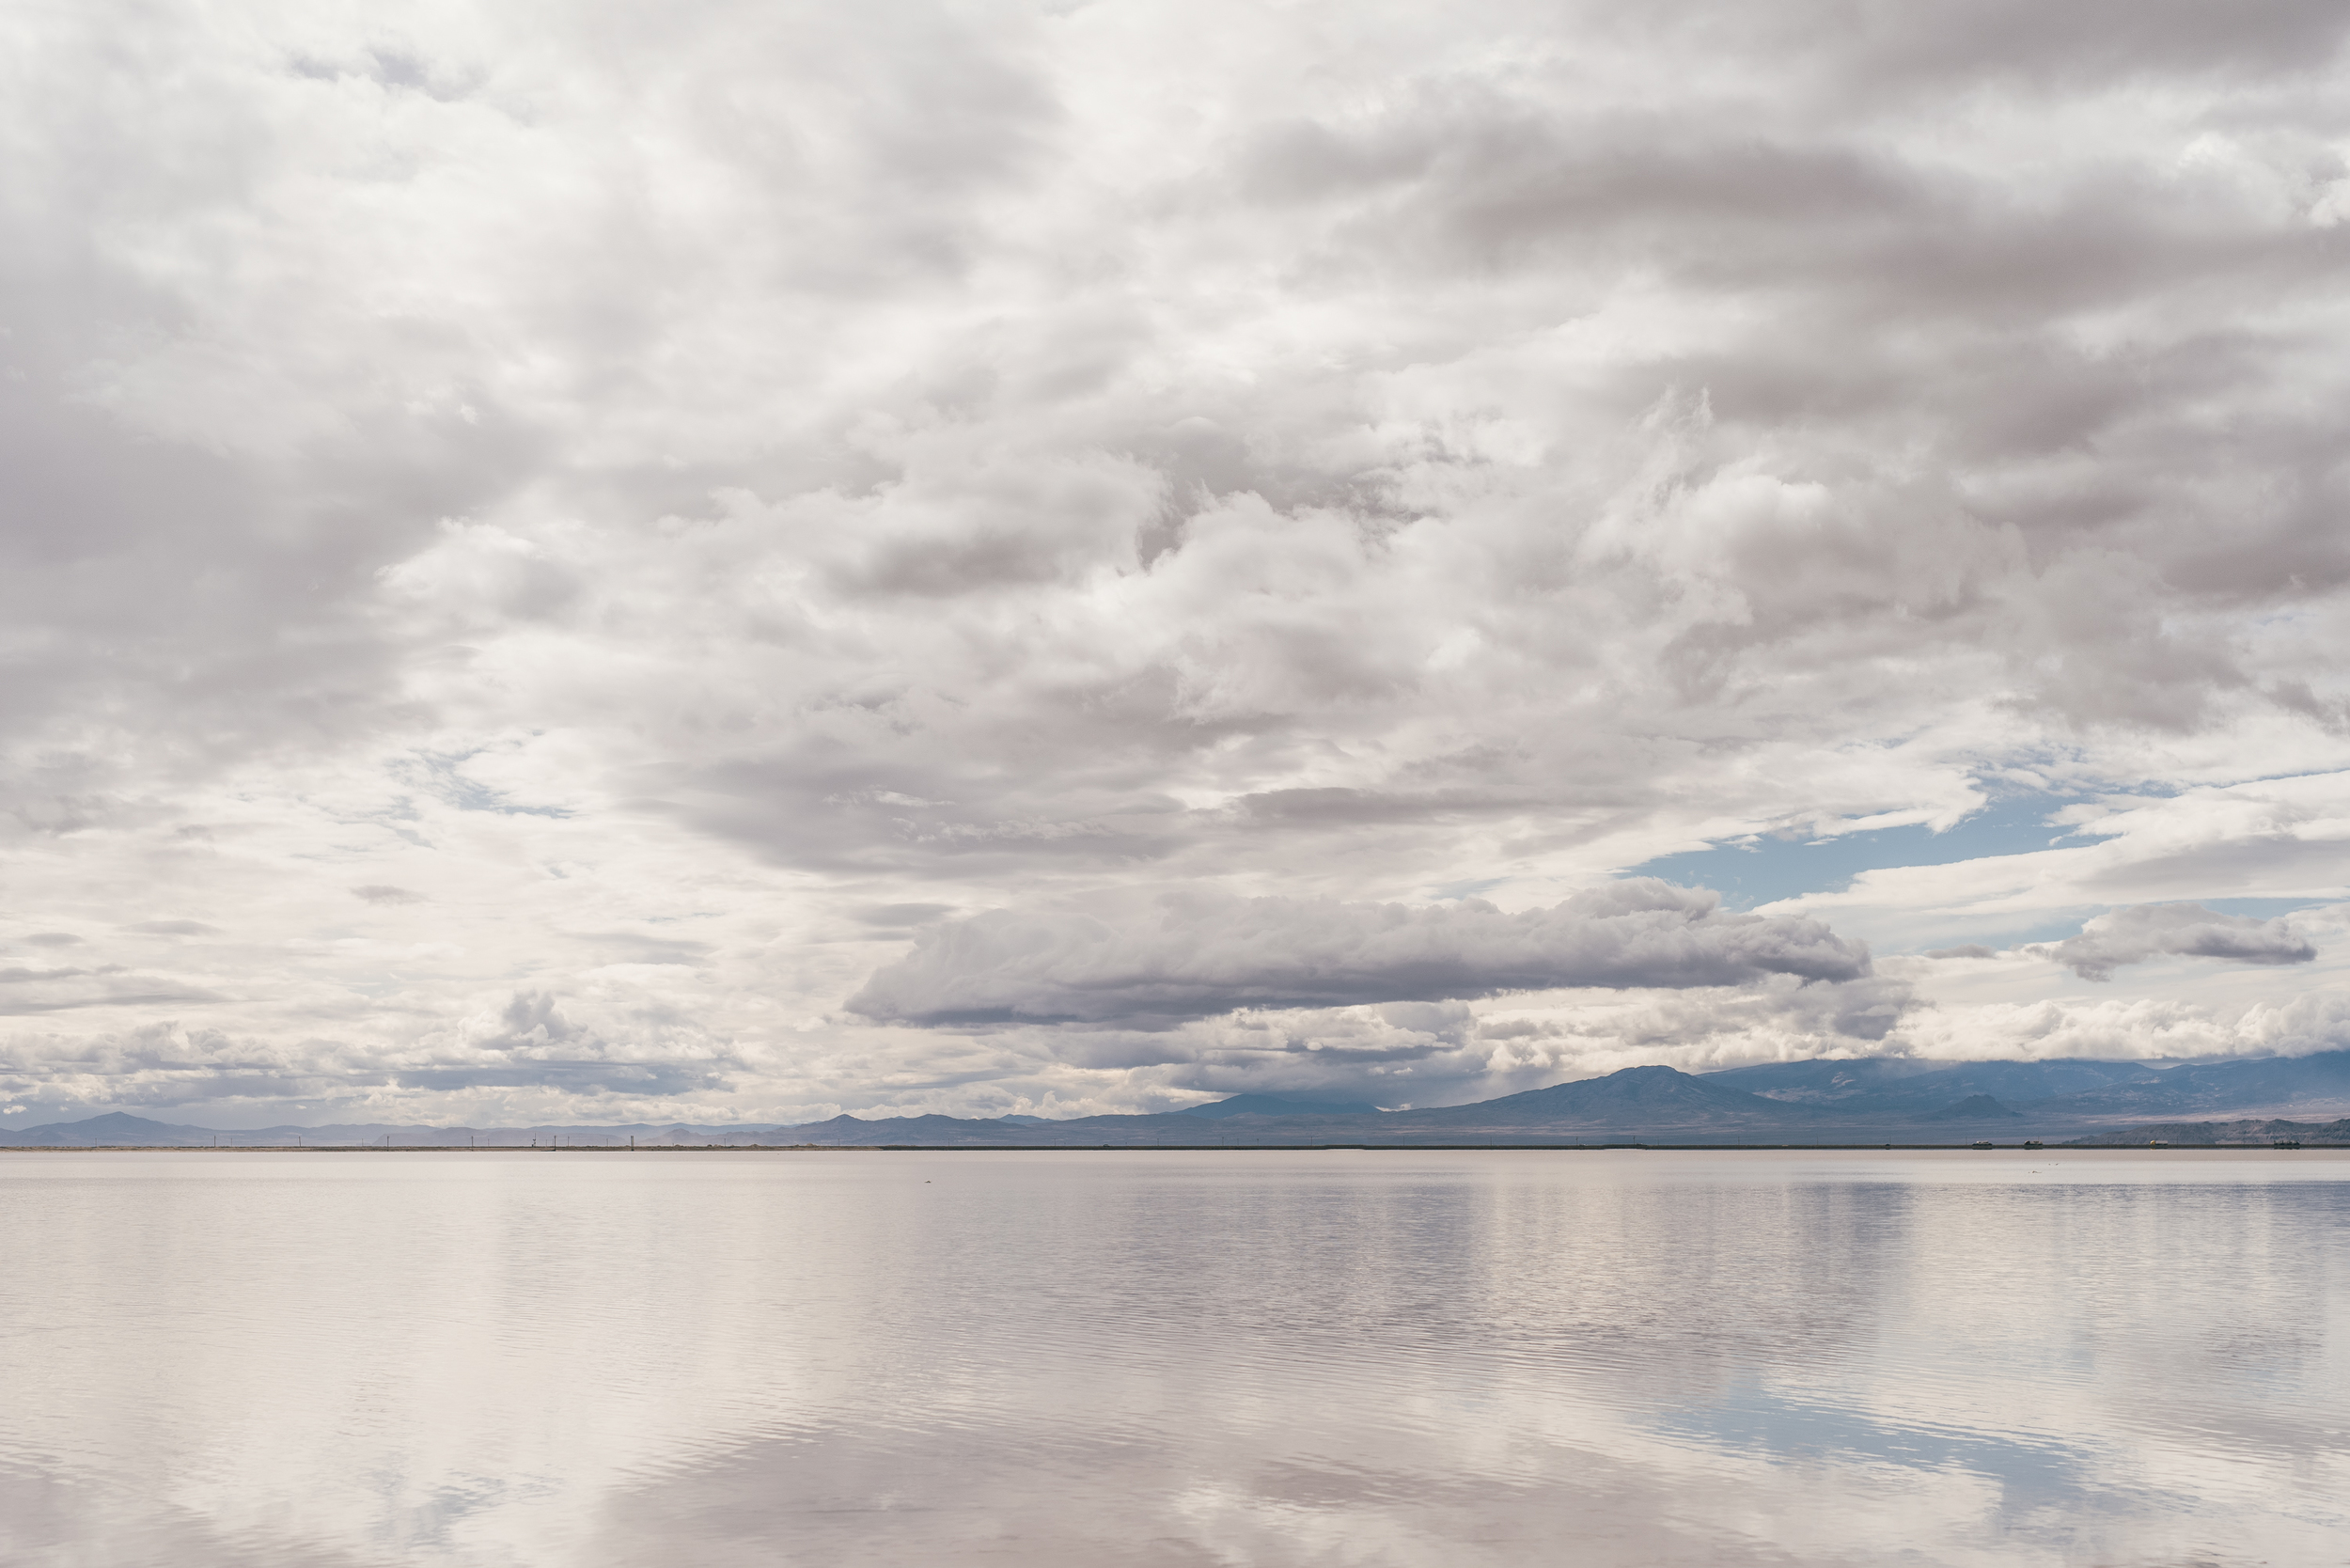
(1391, 1357)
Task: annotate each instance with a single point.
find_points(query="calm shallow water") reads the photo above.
(1174, 1358)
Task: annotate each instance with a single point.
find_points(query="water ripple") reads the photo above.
(1241, 1359)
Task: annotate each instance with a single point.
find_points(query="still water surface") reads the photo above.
(1162, 1358)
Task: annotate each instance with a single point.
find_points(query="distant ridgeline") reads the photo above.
(2317, 1134)
(1873, 1100)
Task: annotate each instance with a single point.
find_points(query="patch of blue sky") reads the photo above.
(1764, 868)
(1753, 1419)
(441, 777)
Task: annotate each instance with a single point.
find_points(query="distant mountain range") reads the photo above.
(2193, 1133)
(120, 1130)
(1877, 1100)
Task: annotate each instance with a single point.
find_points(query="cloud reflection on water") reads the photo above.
(1392, 1358)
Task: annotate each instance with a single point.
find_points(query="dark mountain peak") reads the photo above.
(1653, 1085)
(1975, 1107)
(113, 1128)
(1818, 1079)
(1632, 1096)
(1278, 1104)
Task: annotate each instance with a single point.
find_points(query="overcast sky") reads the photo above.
(726, 561)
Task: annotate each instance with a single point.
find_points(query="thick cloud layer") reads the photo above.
(1195, 956)
(2177, 929)
(656, 508)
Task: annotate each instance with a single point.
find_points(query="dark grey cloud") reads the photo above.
(1190, 956)
(2148, 930)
